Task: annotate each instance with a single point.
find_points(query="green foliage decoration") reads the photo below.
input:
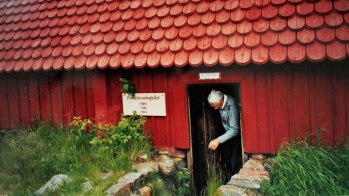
(128, 87)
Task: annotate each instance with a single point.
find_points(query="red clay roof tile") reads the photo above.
(176, 45)
(194, 19)
(334, 19)
(181, 59)
(235, 41)
(296, 53)
(278, 24)
(112, 48)
(167, 22)
(57, 51)
(103, 61)
(216, 5)
(162, 46)
(278, 2)
(244, 27)
(158, 3)
(123, 48)
(172, 33)
(131, 24)
(269, 12)
(314, 21)
(202, 7)
(127, 14)
(91, 62)
(252, 40)
(58, 63)
(127, 61)
(325, 35)
(149, 46)
(67, 51)
(226, 56)
(246, 4)
(223, 16)
(306, 36)
(135, 4)
(296, 22)
(237, 15)
(112, 33)
(341, 5)
(158, 34)
(195, 58)
(336, 51)
(80, 62)
(228, 28)
(253, 14)
(185, 32)
(153, 60)
(137, 47)
(97, 38)
(243, 56)
(269, 38)
(342, 33)
(219, 42)
(210, 57)
(259, 26)
(207, 18)
(69, 63)
(204, 43)
(278, 54)
(141, 60)
(323, 7)
(305, 8)
(261, 3)
(180, 21)
(260, 55)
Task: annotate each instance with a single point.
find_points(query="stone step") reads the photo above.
(126, 183)
(254, 164)
(251, 184)
(229, 190)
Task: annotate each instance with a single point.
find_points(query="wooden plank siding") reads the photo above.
(278, 102)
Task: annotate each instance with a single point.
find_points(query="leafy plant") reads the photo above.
(83, 151)
(128, 87)
(184, 182)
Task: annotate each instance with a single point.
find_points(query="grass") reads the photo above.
(303, 169)
(158, 186)
(215, 179)
(29, 158)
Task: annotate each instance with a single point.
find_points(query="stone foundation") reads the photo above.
(166, 162)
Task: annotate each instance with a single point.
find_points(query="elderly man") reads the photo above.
(229, 115)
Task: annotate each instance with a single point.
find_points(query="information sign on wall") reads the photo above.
(145, 104)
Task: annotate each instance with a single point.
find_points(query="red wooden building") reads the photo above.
(285, 61)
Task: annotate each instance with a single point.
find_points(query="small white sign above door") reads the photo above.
(145, 104)
(210, 76)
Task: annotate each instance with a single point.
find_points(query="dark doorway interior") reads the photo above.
(205, 124)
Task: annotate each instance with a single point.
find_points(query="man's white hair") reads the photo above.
(214, 96)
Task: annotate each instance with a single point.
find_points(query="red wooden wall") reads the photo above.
(278, 102)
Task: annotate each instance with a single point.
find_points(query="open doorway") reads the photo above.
(206, 125)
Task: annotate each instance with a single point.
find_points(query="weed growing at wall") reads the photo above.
(302, 169)
(184, 182)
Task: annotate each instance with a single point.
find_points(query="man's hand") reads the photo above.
(213, 144)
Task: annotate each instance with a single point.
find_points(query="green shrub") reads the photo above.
(29, 158)
(302, 169)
